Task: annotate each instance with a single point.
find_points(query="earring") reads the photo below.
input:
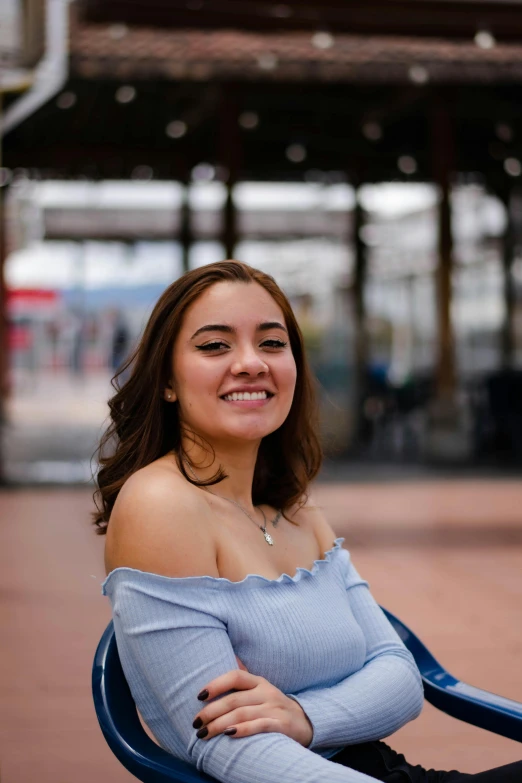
(169, 395)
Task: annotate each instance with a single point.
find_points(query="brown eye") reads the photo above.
(216, 346)
(274, 344)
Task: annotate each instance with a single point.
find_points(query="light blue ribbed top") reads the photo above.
(318, 636)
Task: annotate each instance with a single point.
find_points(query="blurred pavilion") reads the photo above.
(358, 93)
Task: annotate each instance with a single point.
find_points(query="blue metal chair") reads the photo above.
(127, 739)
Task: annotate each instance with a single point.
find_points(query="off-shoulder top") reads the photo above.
(318, 636)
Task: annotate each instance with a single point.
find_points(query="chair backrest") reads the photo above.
(148, 762)
(121, 725)
(454, 697)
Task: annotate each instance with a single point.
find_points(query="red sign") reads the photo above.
(31, 298)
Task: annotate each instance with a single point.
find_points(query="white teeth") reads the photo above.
(262, 395)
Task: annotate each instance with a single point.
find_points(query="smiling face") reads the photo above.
(234, 374)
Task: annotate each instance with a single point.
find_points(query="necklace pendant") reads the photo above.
(268, 538)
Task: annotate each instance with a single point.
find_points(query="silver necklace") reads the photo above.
(268, 538)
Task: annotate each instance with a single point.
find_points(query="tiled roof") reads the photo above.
(105, 51)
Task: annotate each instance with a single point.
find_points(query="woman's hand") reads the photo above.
(255, 707)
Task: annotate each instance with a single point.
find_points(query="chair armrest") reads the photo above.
(456, 698)
(147, 761)
(121, 726)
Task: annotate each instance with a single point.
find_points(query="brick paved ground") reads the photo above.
(446, 557)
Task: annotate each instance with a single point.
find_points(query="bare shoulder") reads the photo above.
(161, 524)
(312, 515)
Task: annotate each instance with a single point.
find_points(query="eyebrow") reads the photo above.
(265, 326)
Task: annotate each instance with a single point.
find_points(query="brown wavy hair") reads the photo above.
(145, 427)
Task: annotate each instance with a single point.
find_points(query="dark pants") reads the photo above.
(379, 761)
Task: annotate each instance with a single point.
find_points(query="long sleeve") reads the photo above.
(170, 649)
(375, 701)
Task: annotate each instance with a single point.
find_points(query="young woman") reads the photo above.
(251, 645)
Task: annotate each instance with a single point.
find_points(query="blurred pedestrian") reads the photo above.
(120, 342)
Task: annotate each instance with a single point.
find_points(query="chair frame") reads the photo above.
(125, 735)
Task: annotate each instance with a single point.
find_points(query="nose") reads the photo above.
(248, 362)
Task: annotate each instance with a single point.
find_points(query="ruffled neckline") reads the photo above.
(220, 582)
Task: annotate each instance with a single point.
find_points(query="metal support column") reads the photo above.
(448, 436)
(230, 158)
(185, 233)
(229, 238)
(361, 358)
(443, 158)
(507, 336)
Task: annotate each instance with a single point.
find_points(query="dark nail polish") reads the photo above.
(202, 733)
(203, 695)
(230, 731)
(198, 723)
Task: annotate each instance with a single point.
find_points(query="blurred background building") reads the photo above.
(368, 158)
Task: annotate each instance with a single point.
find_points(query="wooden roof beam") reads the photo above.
(436, 18)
